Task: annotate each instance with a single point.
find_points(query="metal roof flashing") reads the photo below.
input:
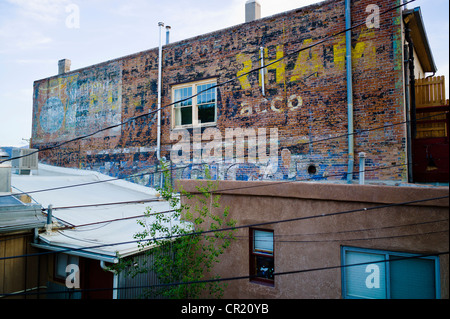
(413, 18)
(15, 215)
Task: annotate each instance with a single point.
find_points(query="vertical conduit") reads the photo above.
(262, 71)
(348, 42)
(158, 134)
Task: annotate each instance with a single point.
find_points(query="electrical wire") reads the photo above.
(242, 277)
(227, 189)
(205, 163)
(277, 237)
(232, 228)
(198, 93)
(220, 190)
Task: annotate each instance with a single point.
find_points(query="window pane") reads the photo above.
(206, 113)
(263, 242)
(264, 267)
(180, 94)
(365, 281)
(183, 116)
(208, 96)
(412, 278)
(62, 260)
(61, 264)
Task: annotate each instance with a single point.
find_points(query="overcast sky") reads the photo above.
(35, 34)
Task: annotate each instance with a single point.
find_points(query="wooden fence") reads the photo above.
(430, 107)
(430, 92)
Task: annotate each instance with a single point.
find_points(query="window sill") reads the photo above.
(187, 127)
(263, 282)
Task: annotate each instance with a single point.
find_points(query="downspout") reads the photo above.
(412, 81)
(408, 116)
(348, 50)
(49, 223)
(158, 134)
(412, 103)
(115, 278)
(262, 71)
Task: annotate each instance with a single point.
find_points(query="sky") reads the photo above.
(35, 34)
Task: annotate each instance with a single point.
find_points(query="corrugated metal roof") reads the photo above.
(99, 228)
(15, 215)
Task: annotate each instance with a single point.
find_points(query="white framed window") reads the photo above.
(190, 110)
(262, 264)
(61, 263)
(378, 274)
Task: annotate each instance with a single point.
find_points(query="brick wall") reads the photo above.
(305, 98)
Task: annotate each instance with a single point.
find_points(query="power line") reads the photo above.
(139, 201)
(220, 190)
(216, 162)
(275, 274)
(279, 236)
(362, 239)
(212, 87)
(365, 209)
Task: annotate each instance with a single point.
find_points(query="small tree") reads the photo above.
(186, 255)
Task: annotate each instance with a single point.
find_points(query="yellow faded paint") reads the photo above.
(307, 62)
(363, 48)
(279, 67)
(247, 62)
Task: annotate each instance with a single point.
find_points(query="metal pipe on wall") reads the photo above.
(262, 71)
(348, 42)
(167, 34)
(158, 134)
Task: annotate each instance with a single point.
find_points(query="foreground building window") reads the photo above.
(198, 110)
(402, 276)
(261, 256)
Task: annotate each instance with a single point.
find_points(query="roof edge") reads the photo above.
(416, 15)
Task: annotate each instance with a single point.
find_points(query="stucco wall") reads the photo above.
(314, 241)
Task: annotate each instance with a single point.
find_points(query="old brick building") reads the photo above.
(322, 123)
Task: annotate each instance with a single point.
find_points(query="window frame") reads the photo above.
(194, 105)
(253, 255)
(63, 260)
(387, 254)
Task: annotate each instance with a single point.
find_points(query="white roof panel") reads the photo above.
(103, 225)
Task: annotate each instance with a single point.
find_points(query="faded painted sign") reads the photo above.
(309, 60)
(78, 103)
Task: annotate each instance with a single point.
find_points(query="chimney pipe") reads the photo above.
(252, 10)
(63, 66)
(167, 34)
(48, 225)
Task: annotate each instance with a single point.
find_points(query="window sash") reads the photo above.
(262, 262)
(199, 110)
(406, 278)
(61, 262)
(263, 242)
